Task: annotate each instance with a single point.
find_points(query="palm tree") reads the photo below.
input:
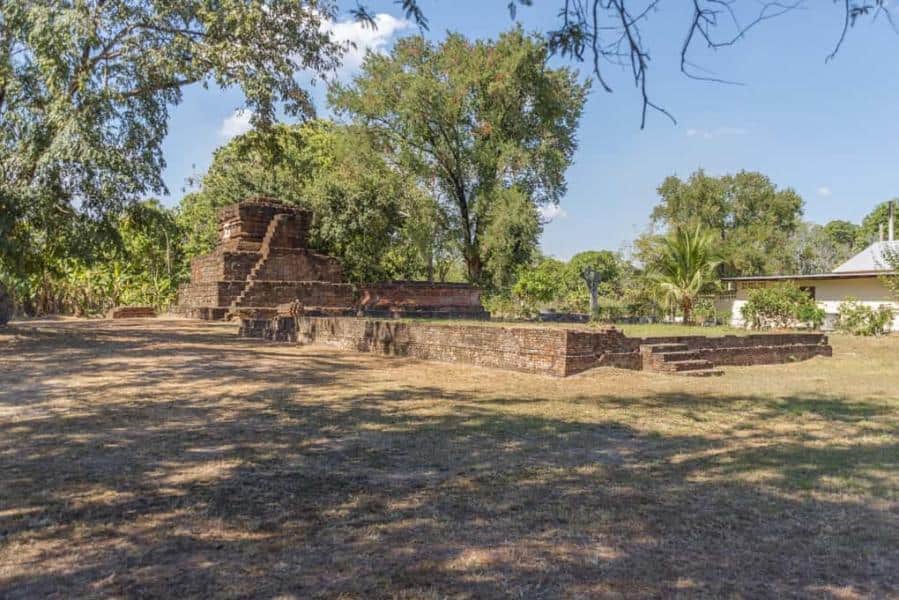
(685, 267)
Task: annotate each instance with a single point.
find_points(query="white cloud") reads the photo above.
(824, 191)
(549, 212)
(236, 124)
(708, 134)
(360, 37)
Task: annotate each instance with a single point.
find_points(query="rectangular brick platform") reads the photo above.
(262, 260)
(131, 312)
(552, 351)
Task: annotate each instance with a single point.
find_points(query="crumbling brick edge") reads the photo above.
(553, 351)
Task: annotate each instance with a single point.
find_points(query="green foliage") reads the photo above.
(869, 232)
(488, 124)
(813, 250)
(140, 262)
(557, 284)
(750, 220)
(504, 306)
(542, 283)
(684, 267)
(891, 263)
(860, 319)
(85, 93)
(607, 264)
(842, 232)
(783, 305)
(511, 236)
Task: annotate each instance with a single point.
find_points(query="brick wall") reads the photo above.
(550, 351)
(421, 298)
(419, 294)
(217, 293)
(222, 265)
(310, 293)
(288, 264)
(737, 341)
(520, 349)
(248, 221)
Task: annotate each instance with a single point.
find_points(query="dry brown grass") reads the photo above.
(169, 458)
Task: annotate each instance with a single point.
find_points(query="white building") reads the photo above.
(858, 277)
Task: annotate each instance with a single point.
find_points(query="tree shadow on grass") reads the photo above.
(304, 485)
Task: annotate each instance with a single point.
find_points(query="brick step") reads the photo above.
(667, 347)
(692, 364)
(677, 355)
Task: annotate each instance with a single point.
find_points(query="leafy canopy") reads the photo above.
(86, 88)
(487, 124)
(750, 220)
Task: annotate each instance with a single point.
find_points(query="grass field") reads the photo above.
(170, 458)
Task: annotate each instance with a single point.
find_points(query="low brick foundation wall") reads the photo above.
(131, 312)
(532, 350)
(398, 299)
(552, 351)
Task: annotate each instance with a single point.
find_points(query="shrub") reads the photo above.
(608, 309)
(501, 306)
(861, 319)
(706, 313)
(783, 305)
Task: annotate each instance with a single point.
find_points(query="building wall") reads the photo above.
(829, 293)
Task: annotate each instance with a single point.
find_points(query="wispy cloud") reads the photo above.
(236, 124)
(708, 134)
(360, 38)
(824, 191)
(550, 212)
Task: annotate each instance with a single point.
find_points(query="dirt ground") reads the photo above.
(154, 458)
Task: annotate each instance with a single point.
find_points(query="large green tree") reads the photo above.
(86, 88)
(750, 219)
(610, 33)
(815, 248)
(869, 231)
(488, 123)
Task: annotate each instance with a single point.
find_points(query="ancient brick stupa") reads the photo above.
(262, 260)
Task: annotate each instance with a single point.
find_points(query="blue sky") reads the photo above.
(829, 131)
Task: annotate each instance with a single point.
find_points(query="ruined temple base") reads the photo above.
(554, 351)
(131, 312)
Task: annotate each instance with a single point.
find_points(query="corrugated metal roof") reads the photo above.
(852, 275)
(871, 258)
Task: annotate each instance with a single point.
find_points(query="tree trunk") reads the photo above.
(475, 268)
(594, 298)
(688, 311)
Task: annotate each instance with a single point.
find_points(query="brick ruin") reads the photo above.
(263, 272)
(421, 299)
(263, 261)
(131, 312)
(554, 351)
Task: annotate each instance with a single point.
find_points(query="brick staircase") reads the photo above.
(677, 359)
(265, 250)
